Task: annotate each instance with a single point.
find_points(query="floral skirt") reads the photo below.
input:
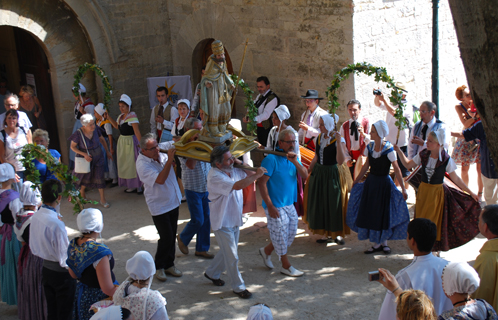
(466, 153)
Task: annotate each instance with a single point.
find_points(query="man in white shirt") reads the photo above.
(163, 116)
(424, 273)
(12, 102)
(225, 184)
(48, 240)
(163, 197)
(421, 129)
(392, 137)
(266, 102)
(310, 120)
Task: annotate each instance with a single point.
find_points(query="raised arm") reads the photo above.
(409, 164)
(247, 181)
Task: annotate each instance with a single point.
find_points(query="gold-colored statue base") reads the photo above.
(238, 143)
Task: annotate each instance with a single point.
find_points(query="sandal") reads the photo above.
(386, 250)
(105, 205)
(372, 250)
(244, 294)
(216, 282)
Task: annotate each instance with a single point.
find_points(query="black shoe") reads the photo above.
(323, 240)
(340, 240)
(244, 294)
(372, 250)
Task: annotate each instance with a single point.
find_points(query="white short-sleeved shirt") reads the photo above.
(160, 198)
(376, 154)
(23, 121)
(393, 129)
(431, 165)
(13, 148)
(226, 204)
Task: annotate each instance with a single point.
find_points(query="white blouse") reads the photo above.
(431, 165)
(376, 154)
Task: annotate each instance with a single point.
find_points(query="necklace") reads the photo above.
(466, 300)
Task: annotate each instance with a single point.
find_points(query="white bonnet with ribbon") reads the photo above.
(28, 195)
(381, 128)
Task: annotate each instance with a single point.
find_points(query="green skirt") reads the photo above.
(324, 212)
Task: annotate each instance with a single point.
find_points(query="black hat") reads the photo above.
(311, 94)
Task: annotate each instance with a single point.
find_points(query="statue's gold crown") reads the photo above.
(217, 47)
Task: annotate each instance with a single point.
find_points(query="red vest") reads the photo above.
(345, 126)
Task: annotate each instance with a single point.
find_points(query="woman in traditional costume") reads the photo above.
(377, 210)
(128, 146)
(278, 117)
(135, 294)
(455, 214)
(183, 106)
(91, 263)
(30, 295)
(460, 280)
(325, 190)
(10, 247)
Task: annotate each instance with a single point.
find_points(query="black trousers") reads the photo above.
(166, 225)
(262, 134)
(59, 290)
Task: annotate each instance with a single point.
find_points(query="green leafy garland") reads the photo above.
(105, 81)
(60, 170)
(380, 74)
(252, 111)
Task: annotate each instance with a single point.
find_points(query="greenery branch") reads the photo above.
(252, 111)
(380, 74)
(100, 72)
(31, 152)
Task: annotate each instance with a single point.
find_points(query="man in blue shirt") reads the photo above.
(278, 188)
(488, 172)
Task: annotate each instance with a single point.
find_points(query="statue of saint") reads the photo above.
(216, 89)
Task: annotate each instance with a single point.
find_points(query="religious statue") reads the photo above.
(216, 89)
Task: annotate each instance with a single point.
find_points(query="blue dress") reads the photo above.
(80, 260)
(377, 210)
(42, 167)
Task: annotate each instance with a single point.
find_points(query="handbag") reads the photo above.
(80, 163)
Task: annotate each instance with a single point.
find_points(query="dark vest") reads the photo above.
(125, 129)
(269, 96)
(380, 166)
(439, 171)
(329, 152)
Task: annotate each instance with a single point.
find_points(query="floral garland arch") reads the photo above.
(252, 111)
(100, 72)
(60, 170)
(380, 74)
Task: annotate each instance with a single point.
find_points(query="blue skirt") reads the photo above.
(370, 197)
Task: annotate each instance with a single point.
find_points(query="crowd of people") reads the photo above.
(346, 185)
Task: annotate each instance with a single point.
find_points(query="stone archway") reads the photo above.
(59, 28)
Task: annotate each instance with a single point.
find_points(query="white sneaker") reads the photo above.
(292, 272)
(266, 259)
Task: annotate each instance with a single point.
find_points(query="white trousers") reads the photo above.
(490, 190)
(227, 258)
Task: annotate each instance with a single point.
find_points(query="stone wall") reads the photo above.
(397, 35)
(298, 44)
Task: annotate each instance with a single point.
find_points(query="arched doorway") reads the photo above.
(200, 56)
(24, 62)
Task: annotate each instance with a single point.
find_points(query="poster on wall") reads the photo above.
(179, 87)
(30, 80)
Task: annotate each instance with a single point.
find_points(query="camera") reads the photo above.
(377, 92)
(373, 276)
